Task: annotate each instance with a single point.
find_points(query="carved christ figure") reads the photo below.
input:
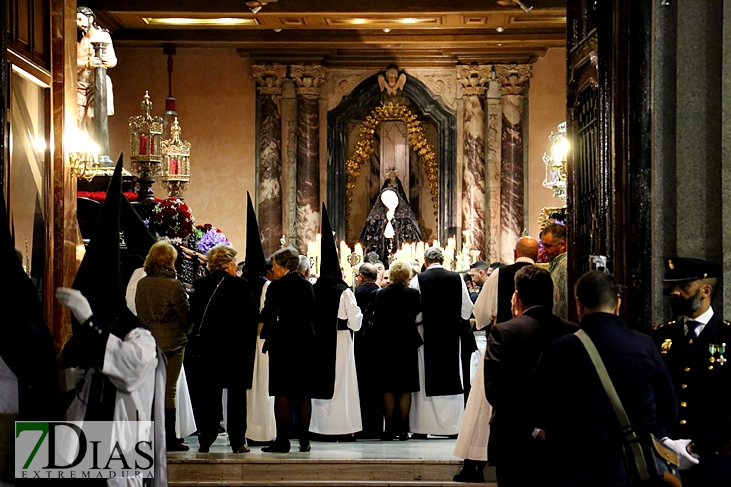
(89, 32)
(392, 82)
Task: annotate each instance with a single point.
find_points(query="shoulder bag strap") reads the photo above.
(627, 430)
(601, 370)
(203, 318)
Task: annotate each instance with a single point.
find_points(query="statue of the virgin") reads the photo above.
(391, 222)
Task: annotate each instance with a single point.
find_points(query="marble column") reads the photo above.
(512, 222)
(493, 134)
(308, 81)
(269, 78)
(289, 163)
(472, 78)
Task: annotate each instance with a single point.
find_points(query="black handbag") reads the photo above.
(649, 462)
(195, 342)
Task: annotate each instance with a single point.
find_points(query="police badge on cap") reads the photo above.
(681, 269)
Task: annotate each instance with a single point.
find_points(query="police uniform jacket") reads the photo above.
(702, 381)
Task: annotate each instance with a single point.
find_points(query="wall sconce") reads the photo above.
(83, 156)
(176, 163)
(556, 163)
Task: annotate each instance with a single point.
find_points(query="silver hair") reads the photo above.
(304, 264)
(434, 254)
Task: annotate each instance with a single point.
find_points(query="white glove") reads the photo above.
(75, 301)
(687, 459)
(69, 378)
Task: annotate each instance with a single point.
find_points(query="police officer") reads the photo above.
(694, 349)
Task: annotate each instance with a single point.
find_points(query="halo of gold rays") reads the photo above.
(417, 141)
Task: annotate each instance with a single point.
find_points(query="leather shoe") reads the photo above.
(403, 437)
(305, 445)
(203, 449)
(469, 476)
(241, 449)
(277, 447)
(175, 446)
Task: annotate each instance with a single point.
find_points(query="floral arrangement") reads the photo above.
(172, 218)
(100, 196)
(210, 236)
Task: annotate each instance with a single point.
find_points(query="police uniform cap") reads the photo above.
(683, 269)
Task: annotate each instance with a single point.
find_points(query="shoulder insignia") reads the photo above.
(662, 325)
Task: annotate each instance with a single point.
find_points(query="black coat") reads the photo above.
(704, 394)
(363, 294)
(513, 350)
(228, 331)
(393, 311)
(582, 429)
(290, 337)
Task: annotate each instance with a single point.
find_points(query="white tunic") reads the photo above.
(475, 430)
(130, 365)
(341, 414)
(438, 415)
(260, 423)
(185, 421)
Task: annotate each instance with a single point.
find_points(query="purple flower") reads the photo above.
(210, 239)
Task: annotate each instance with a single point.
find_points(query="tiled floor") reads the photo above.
(430, 449)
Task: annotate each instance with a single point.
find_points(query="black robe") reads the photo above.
(327, 302)
(441, 302)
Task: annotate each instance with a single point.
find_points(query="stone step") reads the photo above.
(230, 470)
(327, 483)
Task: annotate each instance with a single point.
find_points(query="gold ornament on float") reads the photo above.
(417, 141)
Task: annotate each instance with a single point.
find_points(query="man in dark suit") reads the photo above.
(693, 347)
(513, 350)
(366, 365)
(582, 432)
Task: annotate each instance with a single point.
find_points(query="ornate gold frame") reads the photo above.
(417, 141)
(545, 213)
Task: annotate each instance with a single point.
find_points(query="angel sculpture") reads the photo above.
(392, 82)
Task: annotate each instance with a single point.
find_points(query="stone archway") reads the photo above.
(352, 106)
(417, 142)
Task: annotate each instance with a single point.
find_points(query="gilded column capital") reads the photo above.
(308, 78)
(473, 78)
(269, 78)
(512, 77)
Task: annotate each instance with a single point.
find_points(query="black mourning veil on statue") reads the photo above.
(405, 226)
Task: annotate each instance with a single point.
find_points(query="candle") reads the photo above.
(318, 254)
(143, 145)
